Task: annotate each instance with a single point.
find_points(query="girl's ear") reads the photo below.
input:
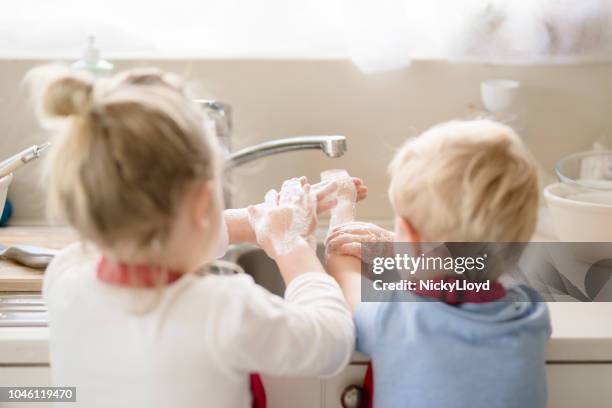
(405, 231)
(201, 202)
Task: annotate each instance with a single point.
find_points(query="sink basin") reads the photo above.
(22, 309)
(264, 271)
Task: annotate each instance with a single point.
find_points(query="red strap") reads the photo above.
(496, 291)
(146, 276)
(142, 276)
(368, 385)
(257, 391)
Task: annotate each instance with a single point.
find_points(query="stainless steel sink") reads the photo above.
(22, 309)
(264, 271)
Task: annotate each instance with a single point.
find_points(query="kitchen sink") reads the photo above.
(264, 271)
(22, 309)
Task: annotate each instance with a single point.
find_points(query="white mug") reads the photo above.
(500, 95)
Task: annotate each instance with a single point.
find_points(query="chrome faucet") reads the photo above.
(220, 114)
(333, 146)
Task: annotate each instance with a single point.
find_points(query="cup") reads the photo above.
(500, 95)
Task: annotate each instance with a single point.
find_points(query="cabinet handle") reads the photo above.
(354, 396)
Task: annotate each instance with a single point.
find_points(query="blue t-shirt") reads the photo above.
(430, 354)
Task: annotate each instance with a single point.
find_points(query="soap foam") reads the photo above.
(286, 227)
(346, 195)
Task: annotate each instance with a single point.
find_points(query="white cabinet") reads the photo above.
(292, 392)
(280, 392)
(334, 387)
(570, 385)
(579, 385)
(25, 376)
(32, 376)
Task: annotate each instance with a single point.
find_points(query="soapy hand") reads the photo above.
(346, 239)
(285, 219)
(326, 199)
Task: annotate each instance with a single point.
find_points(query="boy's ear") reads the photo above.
(405, 231)
(201, 201)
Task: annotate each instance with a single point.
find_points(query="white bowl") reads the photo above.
(500, 95)
(579, 217)
(4, 185)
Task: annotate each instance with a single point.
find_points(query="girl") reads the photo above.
(137, 174)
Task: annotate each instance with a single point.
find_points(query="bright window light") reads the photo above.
(376, 34)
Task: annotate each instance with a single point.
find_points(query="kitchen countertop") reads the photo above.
(582, 333)
(19, 278)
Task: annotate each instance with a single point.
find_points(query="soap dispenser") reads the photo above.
(91, 61)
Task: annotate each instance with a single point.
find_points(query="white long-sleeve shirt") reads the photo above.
(198, 343)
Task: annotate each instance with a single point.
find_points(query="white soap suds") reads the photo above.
(346, 195)
(285, 218)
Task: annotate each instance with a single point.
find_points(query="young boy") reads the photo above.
(459, 181)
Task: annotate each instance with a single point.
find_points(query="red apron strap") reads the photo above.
(368, 385)
(257, 391)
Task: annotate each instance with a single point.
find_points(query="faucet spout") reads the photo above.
(332, 146)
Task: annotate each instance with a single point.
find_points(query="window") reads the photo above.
(377, 34)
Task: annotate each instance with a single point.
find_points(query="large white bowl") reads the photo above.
(578, 217)
(4, 185)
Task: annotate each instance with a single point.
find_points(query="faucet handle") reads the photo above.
(221, 114)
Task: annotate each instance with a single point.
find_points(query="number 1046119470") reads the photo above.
(51, 394)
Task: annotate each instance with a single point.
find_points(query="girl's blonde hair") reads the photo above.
(131, 146)
(466, 181)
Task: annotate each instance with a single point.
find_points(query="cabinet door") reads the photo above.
(292, 392)
(280, 392)
(569, 385)
(579, 385)
(25, 376)
(335, 387)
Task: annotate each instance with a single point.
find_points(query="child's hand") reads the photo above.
(285, 219)
(346, 239)
(326, 199)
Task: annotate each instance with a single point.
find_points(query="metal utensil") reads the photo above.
(25, 156)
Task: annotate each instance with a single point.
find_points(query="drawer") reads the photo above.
(579, 385)
(25, 376)
(292, 392)
(280, 392)
(334, 387)
(569, 385)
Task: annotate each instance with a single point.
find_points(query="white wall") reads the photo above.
(569, 107)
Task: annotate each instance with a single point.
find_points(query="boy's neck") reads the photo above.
(478, 292)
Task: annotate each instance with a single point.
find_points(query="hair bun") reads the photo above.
(68, 94)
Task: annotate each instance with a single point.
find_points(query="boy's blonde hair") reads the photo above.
(131, 146)
(471, 181)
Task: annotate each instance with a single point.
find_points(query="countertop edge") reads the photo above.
(29, 346)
